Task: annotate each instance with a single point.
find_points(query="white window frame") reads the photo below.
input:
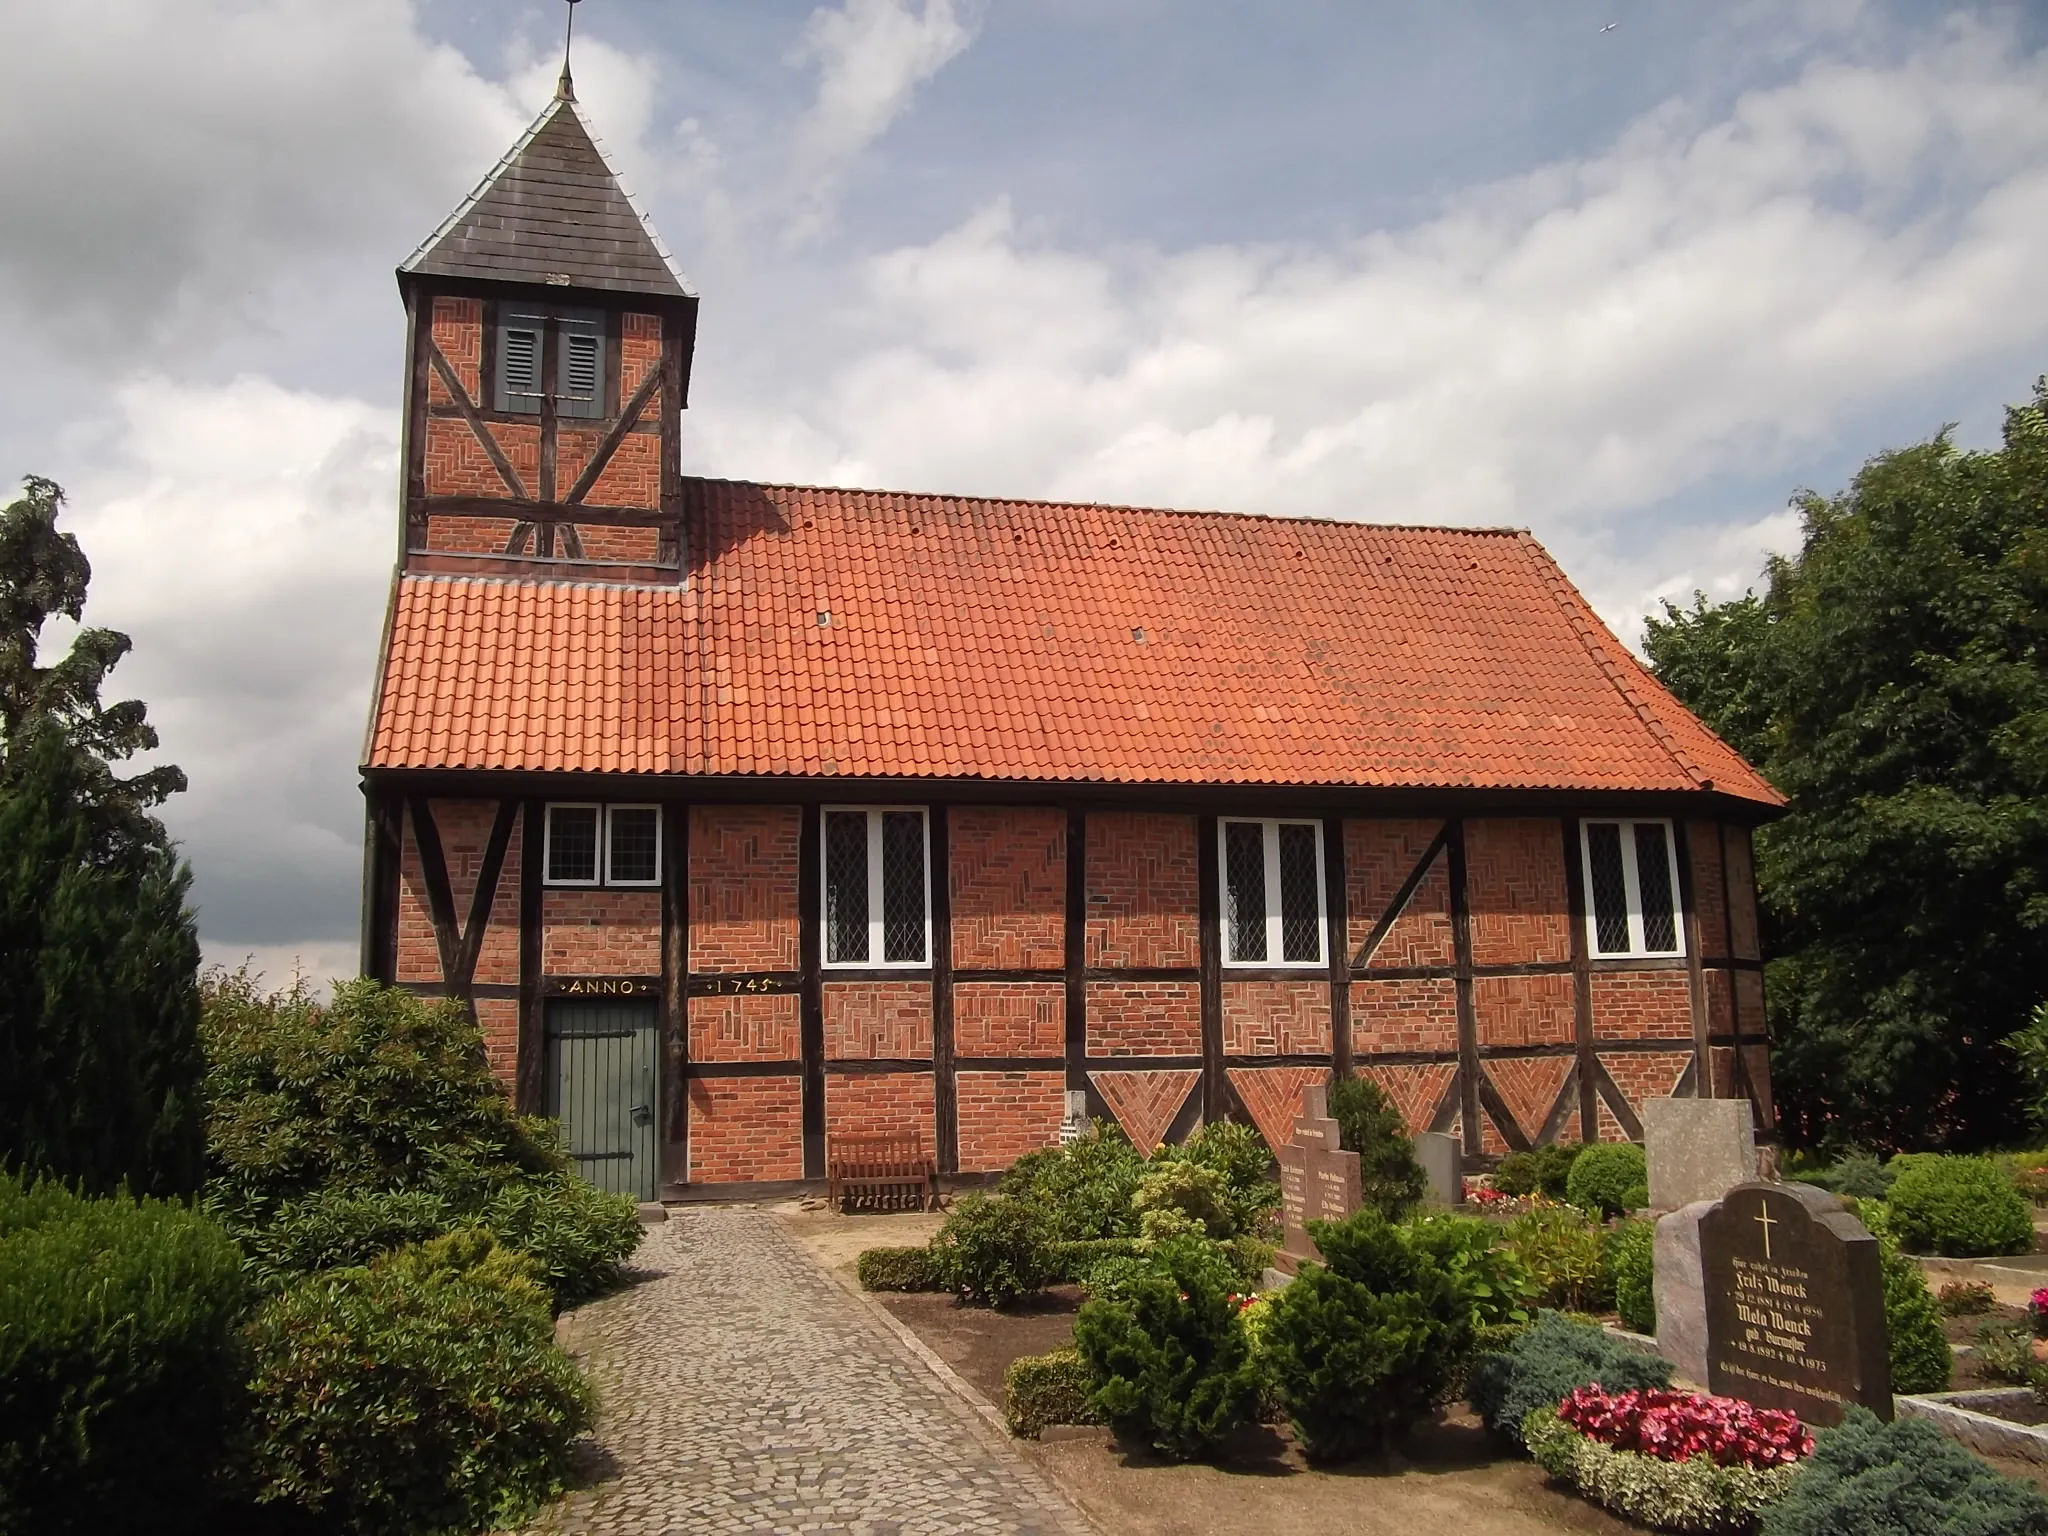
(609, 877)
(876, 916)
(1274, 926)
(547, 854)
(1632, 887)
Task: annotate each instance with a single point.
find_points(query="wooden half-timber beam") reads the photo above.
(527, 510)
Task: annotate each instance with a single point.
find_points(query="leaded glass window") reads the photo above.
(1272, 892)
(877, 888)
(1631, 888)
(632, 845)
(572, 844)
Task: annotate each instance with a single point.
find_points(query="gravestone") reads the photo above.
(1794, 1303)
(1318, 1182)
(1442, 1162)
(1698, 1149)
(1074, 1125)
(1681, 1292)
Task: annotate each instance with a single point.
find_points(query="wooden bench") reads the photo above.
(880, 1172)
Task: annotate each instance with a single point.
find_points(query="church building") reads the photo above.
(746, 816)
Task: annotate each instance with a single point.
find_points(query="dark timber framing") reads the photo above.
(945, 1094)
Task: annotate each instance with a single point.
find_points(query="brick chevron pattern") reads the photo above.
(1145, 1103)
(1529, 1086)
(1416, 1091)
(1272, 1096)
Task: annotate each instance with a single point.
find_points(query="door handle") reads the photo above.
(641, 1113)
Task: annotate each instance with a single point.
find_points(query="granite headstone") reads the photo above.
(1319, 1181)
(1442, 1162)
(1698, 1149)
(1794, 1303)
(1681, 1292)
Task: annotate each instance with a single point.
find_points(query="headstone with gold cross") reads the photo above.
(1794, 1302)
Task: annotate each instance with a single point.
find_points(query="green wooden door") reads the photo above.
(601, 1087)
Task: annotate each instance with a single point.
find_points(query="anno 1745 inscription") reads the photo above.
(1795, 1303)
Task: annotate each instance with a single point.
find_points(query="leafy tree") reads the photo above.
(1390, 1180)
(100, 1061)
(1892, 680)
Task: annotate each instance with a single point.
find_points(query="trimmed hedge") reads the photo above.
(1901, 1479)
(1071, 1261)
(410, 1400)
(996, 1251)
(1965, 1207)
(1039, 1390)
(119, 1360)
(1549, 1359)
(901, 1269)
(1693, 1495)
(1631, 1269)
(1606, 1178)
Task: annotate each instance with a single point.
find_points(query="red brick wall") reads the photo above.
(499, 1018)
(749, 1027)
(743, 887)
(1515, 889)
(469, 535)
(631, 479)
(877, 1103)
(1003, 1115)
(1703, 845)
(464, 828)
(457, 465)
(1009, 1018)
(1142, 894)
(1407, 1015)
(1378, 857)
(639, 354)
(1641, 1075)
(1009, 889)
(1633, 1005)
(592, 932)
(744, 1128)
(1276, 1018)
(1144, 1018)
(1524, 1010)
(871, 1019)
(458, 328)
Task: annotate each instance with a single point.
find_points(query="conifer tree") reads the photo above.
(100, 1061)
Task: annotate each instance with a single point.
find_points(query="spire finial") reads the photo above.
(565, 88)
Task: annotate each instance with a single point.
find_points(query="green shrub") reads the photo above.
(1920, 1357)
(1071, 1261)
(329, 1229)
(1083, 1189)
(577, 1233)
(2006, 1354)
(1390, 1180)
(1238, 1155)
(1250, 1257)
(901, 1269)
(1362, 1346)
(1604, 1178)
(1631, 1271)
(387, 1402)
(1859, 1174)
(1047, 1389)
(1901, 1479)
(1495, 1282)
(1691, 1495)
(1550, 1358)
(473, 1254)
(1539, 1171)
(1962, 1206)
(1965, 1298)
(119, 1360)
(1562, 1249)
(1166, 1354)
(996, 1250)
(1187, 1188)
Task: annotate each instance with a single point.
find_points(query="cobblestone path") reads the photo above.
(742, 1390)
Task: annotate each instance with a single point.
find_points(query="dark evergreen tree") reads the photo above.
(100, 1061)
(1892, 679)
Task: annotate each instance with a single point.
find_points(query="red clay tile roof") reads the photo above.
(856, 633)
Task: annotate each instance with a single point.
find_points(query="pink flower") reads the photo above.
(1677, 1426)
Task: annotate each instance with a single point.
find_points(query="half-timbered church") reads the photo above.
(745, 816)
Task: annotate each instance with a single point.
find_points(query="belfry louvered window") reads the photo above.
(877, 908)
(1631, 888)
(579, 360)
(1272, 892)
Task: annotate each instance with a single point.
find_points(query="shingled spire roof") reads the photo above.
(552, 212)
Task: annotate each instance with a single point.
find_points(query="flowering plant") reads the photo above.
(1486, 1194)
(1678, 1426)
(2037, 1312)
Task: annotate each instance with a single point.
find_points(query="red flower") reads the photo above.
(1677, 1426)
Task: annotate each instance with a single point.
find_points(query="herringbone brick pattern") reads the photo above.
(1145, 1103)
(1142, 904)
(1524, 1010)
(1378, 858)
(1515, 889)
(744, 1028)
(743, 896)
(886, 1019)
(1009, 888)
(1272, 1097)
(1009, 1018)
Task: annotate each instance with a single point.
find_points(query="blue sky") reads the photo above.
(1456, 262)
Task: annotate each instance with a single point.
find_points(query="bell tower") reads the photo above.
(549, 337)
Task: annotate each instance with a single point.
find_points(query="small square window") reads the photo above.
(572, 845)
(1272, 892)
(632, 845)
(1631, 870)
(877, 909)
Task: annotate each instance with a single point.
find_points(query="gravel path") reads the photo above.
(743, 1390)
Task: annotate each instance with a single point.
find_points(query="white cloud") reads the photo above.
(244, 535)
(871, 56)
(1559, 350)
